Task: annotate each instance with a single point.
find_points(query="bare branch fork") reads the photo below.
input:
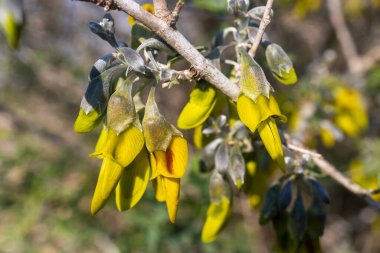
(174, 38)
(357, 64)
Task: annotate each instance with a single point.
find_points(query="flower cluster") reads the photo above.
(133, 151)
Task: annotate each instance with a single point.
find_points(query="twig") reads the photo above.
(357, 64)
(175, 13)
(343, 34)
(175, 39)
(339, 177)
(161, 10)
(263, 25)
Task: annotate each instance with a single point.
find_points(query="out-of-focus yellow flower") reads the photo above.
(148, 7)
(350, 113)
(261, 115)
(364, 177)
(200, 106)
(327, 137)
(168, 155)
(217, 214)
(219, 208)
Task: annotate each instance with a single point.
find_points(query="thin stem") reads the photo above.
(263, 25)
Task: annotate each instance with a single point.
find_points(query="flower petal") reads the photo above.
(199, 108)
(269, 135)
(97, 200)
(172, 189)
(129, 144)
(287, 78)
(112, 174)
(176, 158)
(217, 214)
(133, 182)
(159, 189)
(249, 112)
(87, 122)
(102, 141)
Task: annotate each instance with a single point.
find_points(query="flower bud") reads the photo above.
(218, 188)
(235, 7)
(236, 170)
(280, 64)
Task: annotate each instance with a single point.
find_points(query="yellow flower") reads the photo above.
(280, 64)
(198, 109)
(167, 169)
(350, 112)
(219, 208)
(168, 155)
(117, 152)
(217, 213)
(87, 122)
(257, 108)
(120, 145)
(261, 115)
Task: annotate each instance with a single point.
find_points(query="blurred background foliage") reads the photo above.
(47, 179)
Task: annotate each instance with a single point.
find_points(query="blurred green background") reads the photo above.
(47, 179)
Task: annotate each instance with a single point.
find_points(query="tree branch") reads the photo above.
(263, 25)
(175, 14)
(338, 176)
(357, 64)
(175, 39)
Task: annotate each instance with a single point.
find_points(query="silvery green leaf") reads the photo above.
(319, 191)
(270, 205)
(285, 195)
(100, 88)
(101, 65)
(236, 170)
(298, 219)
(132, 59)
(221, 121)
(207, 160)
(209, 130)
(236, 7)
(156, 44)
(222, 158)
(258, 12)
(218, 188)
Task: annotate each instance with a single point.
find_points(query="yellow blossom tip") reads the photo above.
(133, 182)
(87, 122)
(217, 214)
